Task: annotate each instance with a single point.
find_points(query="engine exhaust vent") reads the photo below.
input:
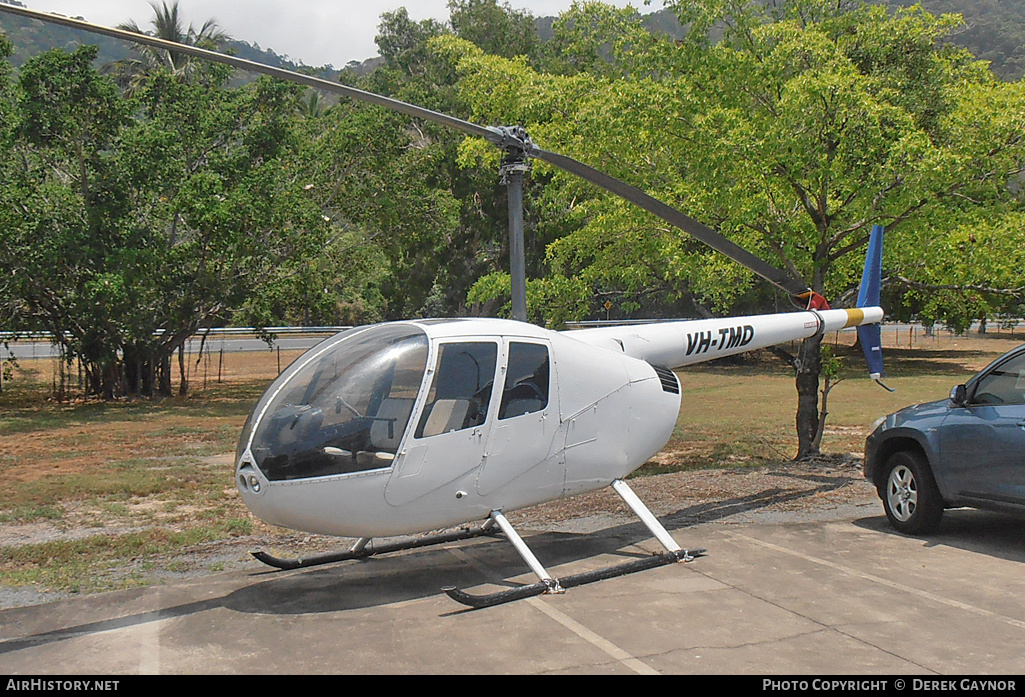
(668, 379)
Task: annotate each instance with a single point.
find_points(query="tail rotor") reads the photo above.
(869, 335)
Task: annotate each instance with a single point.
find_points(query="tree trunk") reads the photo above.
(827, 385)
(808, 368)
(183, 382)
(164, 376)
(140, 369)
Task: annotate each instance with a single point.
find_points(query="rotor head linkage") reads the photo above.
(513, 140)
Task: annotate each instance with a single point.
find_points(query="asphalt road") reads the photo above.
(834, 593)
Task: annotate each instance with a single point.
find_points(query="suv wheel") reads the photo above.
(912, 502)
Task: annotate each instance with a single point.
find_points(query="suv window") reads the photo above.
(1003, 385)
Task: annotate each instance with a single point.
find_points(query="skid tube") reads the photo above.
(363, 549)
(555, 585)
(549, 584)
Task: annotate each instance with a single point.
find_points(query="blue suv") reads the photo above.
(968, 450)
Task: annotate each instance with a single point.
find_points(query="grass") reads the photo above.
(742, 412)
(105, 485)
(97, 562)
(113, 487)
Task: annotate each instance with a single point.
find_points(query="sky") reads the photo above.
(313, 32)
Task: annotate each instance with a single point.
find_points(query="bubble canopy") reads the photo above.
(340, 408)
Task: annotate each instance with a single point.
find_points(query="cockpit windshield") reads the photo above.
(342, 409)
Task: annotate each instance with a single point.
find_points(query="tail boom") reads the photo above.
(678, 344)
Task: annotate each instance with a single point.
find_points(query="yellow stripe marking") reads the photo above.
(854, 317)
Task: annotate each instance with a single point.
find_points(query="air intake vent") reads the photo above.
(668, 380)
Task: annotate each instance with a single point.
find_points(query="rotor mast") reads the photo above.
(515, 165)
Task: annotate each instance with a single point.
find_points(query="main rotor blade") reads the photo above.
(505, 138)
(491, 134)
(692, 227)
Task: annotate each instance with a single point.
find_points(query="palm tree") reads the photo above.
(168, 25)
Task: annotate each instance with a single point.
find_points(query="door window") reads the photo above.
(461, 389)
(526, 380)
(1003, 385)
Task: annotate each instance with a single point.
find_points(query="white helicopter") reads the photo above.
(399, 428)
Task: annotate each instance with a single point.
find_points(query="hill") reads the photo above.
(31, 37)
(994, 31)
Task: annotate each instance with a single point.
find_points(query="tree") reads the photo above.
(963, 273)
(791, 126)
(993, 30)
(449, 226)
(402, 42)
(168, 25)
(376, 176)
(497, 29)
(132, 222)
(11, 307)
(57, 199)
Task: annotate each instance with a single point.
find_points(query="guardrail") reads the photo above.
(329, 330)
(205, 332)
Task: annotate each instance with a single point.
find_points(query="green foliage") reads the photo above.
(791, 126)
(993, 30)
(403, 42)
(551, 301)
(340, 285)
(160, 211)
(497, 29)
(971, 272)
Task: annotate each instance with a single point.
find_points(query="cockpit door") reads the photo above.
(522, 448)
(449, 431)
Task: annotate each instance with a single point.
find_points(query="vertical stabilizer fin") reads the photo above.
(869, 335)
(872, 276)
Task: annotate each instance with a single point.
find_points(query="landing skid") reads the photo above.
(549, 584)
(363, 549)
(546, 584)
(557, 585)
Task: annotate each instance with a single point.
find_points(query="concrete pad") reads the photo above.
(835, 595)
